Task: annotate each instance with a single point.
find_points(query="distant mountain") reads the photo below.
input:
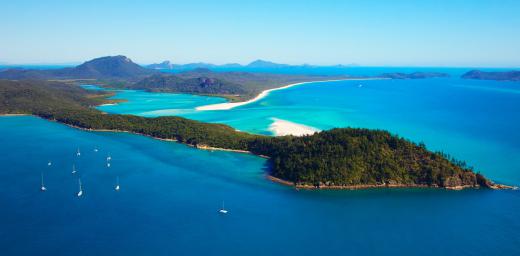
(498, 76)
(110, 67)
(163, 65)
(166, 65)
(231, 65)
(414, 75)
(265, 64)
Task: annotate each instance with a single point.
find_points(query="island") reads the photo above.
(414, 75)
(122, 73)
(343, 158)
(497, 76)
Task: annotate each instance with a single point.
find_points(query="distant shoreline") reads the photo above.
(264, 93)
(15, 115)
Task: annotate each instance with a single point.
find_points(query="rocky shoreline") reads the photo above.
(299, 186)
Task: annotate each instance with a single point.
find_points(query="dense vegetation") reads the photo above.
(339, 157)
(204, 81)
(199, 85)
(343, 157)
(499, 76)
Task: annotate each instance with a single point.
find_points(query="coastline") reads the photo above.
(493, 186)
(203, 147)
(263, 94)
(15, 115)
(370, 186)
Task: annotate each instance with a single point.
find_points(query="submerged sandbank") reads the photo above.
(281, 127)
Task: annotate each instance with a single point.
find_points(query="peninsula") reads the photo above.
(339, 158)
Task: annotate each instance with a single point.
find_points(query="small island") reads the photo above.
(497, 76)
(414, 75)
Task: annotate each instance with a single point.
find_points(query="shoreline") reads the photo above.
(203, 147)
(264, 93)
(378, 186)
(493, 186)
(15, 115)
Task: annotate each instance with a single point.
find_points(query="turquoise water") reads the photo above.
(476, 121)
(170, 194)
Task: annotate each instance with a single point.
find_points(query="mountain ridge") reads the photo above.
(107, 67)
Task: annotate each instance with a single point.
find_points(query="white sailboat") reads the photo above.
(73, 169)
(78, 153)
(117, 183)
(49, 163)
(43, 188)
(109, 158)
(96, 150)
(108, 164)
(223, 209)
(80, 193)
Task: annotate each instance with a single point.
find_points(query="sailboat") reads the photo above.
(73, 169)
(108, 164)
(117, 183)
(43, 188)
(49, 163)
(223, 209)
(80, 193)
(109, 158)
(96, 150)
(78, 153)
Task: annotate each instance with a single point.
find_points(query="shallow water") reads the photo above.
(476, 121)
(170, 193)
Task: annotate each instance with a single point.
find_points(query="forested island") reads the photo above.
(497, 76)
(236, 86)
(414, 75)
(339, 158)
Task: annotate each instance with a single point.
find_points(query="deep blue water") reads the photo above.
(170, 193)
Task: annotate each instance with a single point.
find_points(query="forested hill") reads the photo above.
(498, 76)
(346, 158)
(110, 67)
(414, 75)
(242, 85)
(201, 85)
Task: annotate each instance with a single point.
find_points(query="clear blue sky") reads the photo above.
(368, 32)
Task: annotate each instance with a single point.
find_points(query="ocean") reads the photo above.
(171, 193)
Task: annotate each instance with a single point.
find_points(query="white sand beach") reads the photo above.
(281, 127)
(230, 105)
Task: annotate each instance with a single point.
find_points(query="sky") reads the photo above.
(476, 33)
